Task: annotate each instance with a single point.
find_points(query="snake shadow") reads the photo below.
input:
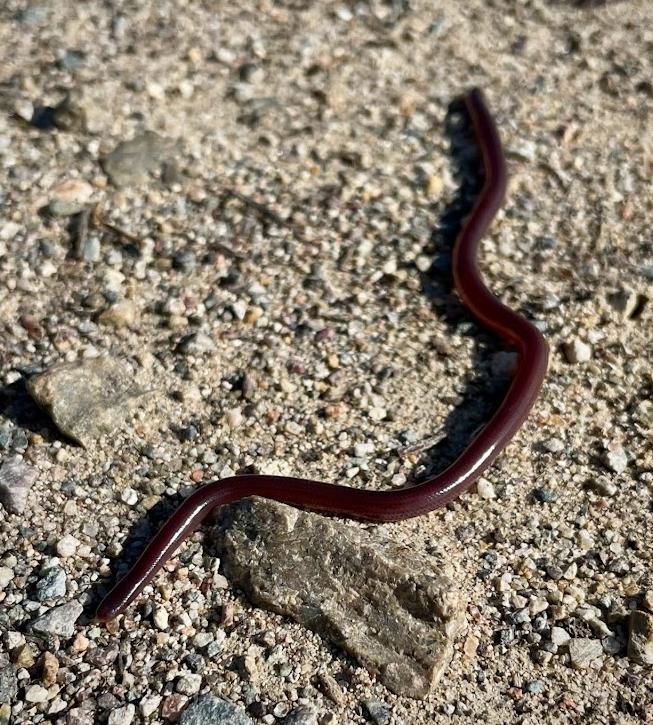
(481, 389)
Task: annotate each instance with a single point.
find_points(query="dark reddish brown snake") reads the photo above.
(515, 330)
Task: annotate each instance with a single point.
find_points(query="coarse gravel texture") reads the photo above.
(305, 334)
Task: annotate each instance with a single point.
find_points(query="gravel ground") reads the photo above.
(263, 266)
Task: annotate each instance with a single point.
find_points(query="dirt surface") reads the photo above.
(273, 266)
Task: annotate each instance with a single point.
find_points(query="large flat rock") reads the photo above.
(385, 604)
(88, 398)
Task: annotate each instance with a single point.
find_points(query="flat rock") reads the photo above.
(640, 642)
(88, 398)
(583, 651)
(60, 620)
(131, 162)
(214, 710)
(16, 479)
(384, 603)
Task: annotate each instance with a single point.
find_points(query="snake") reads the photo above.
(516, 331)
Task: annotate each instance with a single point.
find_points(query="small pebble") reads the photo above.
(485, 489)
(67, 546)
(603, 486)
(378, 712)
(577, 351)
(616, 460)
(122, 715)
(583, 651)
(640, 641)
(234, 418)
(149, 705)
(129, 496)
(559, 636)
(36, 693)
(160, 618)
(52, 584)
(16, 480)
(6, 575)
(189, 684)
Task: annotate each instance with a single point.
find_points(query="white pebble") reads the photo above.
(485, 489)
(129, 496)
(554, 445)
(239, 308)
(233, 418)
(377, 414)
(149, 704)
(577, 351)
(160, 618)
(36, 693)
(6, 575)
(189, 684)
(616, 460)
(362, 450)
(122, 715)
(67, 545)
(559, 636)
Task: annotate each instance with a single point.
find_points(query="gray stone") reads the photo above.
(60, 620)
(51, 585)
(88, 398)
(211, 709)
(8, 681)
(377, 711)
(583, 650)
(383, 603)
(624, 301)
(301, 715)
(16, 479)
(6, 436)
(640, 642)
(131, 162)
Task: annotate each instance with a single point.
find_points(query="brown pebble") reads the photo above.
(330, 687)
(22, 656)
(227, 617)
(172, 706)
(49, 669)
(335, 410)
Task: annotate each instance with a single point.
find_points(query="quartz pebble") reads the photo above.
(6, 575)
(616, 460)
(189, 684)
(577, 351)
(36, 693)
(67, 546)
(160, 618)
(485, 489)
